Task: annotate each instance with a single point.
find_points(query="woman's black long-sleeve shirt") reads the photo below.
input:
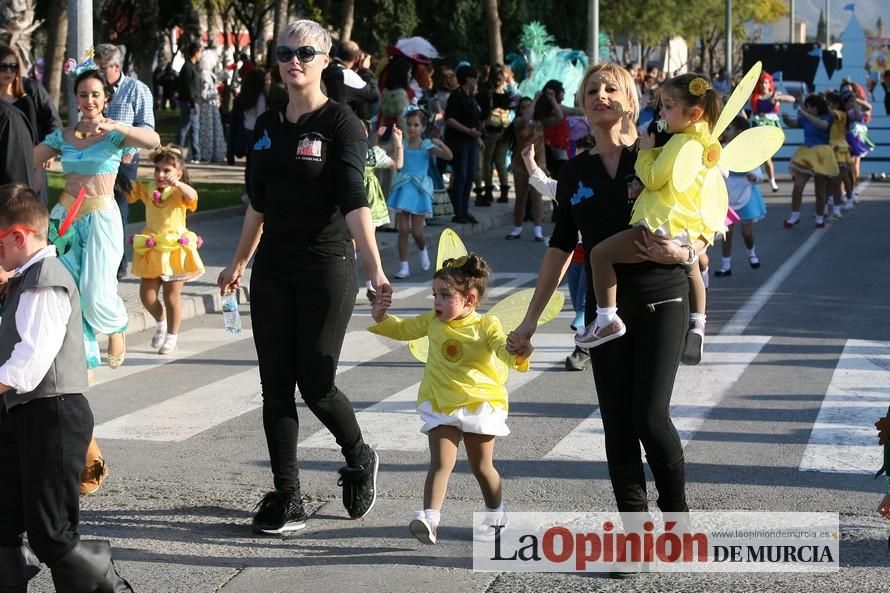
(308, 175)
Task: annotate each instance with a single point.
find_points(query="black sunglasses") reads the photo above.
(304, 53)
(9, 66)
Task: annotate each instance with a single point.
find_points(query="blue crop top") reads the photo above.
(813, 136)
(103, 157)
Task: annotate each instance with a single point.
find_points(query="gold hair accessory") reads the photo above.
(698, 86)
(455, 262)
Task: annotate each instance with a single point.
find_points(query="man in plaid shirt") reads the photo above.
(131, 104)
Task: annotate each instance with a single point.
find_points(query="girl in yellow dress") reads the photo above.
(166, 252)
(462, 395)
(689, 110)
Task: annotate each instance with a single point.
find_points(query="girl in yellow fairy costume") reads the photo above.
(166, 252)
(462, 396)
(689, 109)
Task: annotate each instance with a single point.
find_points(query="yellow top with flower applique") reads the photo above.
(165, 248)
(467, 363)
(660, 204)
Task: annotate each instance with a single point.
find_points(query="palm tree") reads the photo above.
(493, 20)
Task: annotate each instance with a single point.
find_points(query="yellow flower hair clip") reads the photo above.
(698, 86)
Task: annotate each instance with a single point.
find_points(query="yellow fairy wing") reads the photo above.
(420, 348)
(737, 100)
(714, 201)
(511, 310)
(752, 148)
(688, 165)
(450, 245)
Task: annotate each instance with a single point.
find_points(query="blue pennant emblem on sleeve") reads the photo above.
(264, 143)
(582, 194)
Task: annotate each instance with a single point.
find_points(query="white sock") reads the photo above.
(726, 262)
(751, 252)
(795, 216)
(369, 285)
(161, 325)
(500, 509)
(433, 516)
(517, 230)
(836, 209)
(697, 321)
(605, 315)
(539, 231)
(820, 219)
(171, 339)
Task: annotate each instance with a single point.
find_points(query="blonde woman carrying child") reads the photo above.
(689, 110)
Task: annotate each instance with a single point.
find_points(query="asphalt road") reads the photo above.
(777, 417)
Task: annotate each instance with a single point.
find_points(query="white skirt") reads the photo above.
(486, 420)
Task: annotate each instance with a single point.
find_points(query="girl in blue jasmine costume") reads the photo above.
(411, 195)
(462, 396)
(91, 153)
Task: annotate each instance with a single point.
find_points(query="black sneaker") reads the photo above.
(360, 486)
(471, 218)
(577, 360)
(279, 512)
(692, 349)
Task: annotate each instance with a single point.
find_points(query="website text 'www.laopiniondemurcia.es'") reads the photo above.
(675, 542)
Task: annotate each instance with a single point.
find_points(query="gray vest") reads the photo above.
(67, 374)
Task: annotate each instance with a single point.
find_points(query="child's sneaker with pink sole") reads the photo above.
(594, 336)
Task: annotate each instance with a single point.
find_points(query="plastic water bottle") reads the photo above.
(231, 316)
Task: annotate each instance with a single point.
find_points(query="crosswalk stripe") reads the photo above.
(141, 357)
(843, 437)
(696, 391)
(394, 425)
(193, 412)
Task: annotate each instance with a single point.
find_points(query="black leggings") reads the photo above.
(301, 302)
(634, 378)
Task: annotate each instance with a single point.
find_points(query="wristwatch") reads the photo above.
(693, 256)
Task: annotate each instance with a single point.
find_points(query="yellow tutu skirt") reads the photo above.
(815, 160)
(168, 256)
(842, 155)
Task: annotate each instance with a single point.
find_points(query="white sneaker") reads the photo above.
(168, 347)
(421, 528)
(487, 531)
(158, 338)
(403, 272)
(425, 259)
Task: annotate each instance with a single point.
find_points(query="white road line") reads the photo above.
(696, 391)
(743, 317)
(843, 438)
(141, 357)
(394, 425)
(191, 413)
